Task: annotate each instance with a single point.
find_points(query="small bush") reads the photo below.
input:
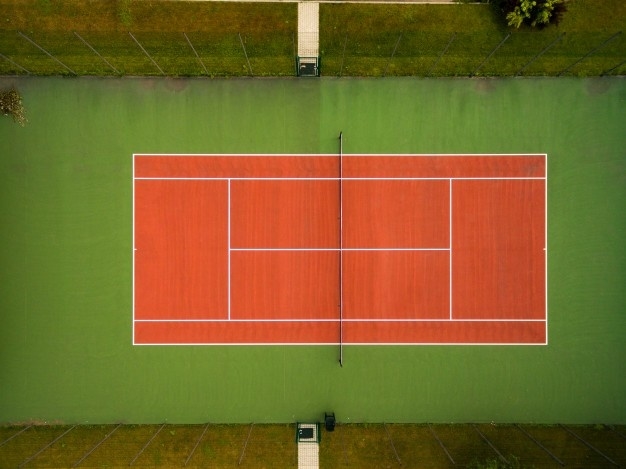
(11, 105)
(535, 13)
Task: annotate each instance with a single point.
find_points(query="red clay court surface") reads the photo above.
(275, 249)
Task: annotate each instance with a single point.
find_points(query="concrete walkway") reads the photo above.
(308, 29)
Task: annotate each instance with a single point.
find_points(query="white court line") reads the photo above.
(499, 178)
(338, 249)
(295, 320)
(334, 344)
(450, 241)
(134, 249)
(334, 155)
(374, 249)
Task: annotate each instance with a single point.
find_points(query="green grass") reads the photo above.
(267, 32)
(360, 40)
(355, 39)
(365, 446)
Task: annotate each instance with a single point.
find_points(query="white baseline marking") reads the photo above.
(336, 178)
(331, 155)
(337, 320)
(326, 344)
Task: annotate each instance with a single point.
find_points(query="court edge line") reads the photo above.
(297, 320)
(427, 155)
(134, 249)
(334, 155)
(334, 344)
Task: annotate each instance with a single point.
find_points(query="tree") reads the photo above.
(11, 105)
(536, 13)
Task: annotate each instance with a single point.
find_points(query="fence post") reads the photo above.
(445, 49)
(489, 56)
(343, 55)
(295, 53)
(545, 49)
(392, 54)
(46, 52)
(97, 53)
(243, 452)
(16, 64)
(194, 51)
(614, 36)
(246, 54)
(146, 445)
(606, 72)
(146, 52)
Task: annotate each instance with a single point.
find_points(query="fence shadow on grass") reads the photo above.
(377, 54)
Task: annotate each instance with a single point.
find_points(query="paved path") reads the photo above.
(308, 29)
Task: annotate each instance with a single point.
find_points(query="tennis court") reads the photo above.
(354, 249)
(70, 227)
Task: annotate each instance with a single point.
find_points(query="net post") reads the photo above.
(341, 248)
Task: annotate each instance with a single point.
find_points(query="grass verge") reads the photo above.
(269, 446)
(239, 39)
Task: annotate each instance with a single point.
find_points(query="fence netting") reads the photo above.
(352, 445)
(389, 53)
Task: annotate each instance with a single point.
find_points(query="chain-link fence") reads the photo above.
(146, 53)
(432, 53)
(273, 446)
(421, 53)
